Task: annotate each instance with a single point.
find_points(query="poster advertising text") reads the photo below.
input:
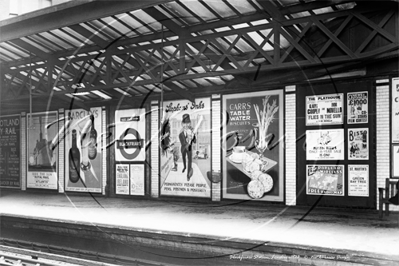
(358, 180)
(325, 144)
(130, 135)
(122, 179)
(253, 121)
(186, 148)
(83, 158)
(325, 180)
(137, 179)
(395, 160)
(325, 109)
(358, 107)
(358, 143)
(42, 150)
(10, 157)
(395, 110)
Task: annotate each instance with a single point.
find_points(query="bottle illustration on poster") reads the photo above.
(93, 140)
(74, 160)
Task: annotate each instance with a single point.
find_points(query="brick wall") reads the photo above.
(23, 151)
(290, 146)
(216, 192)
(154, 150)
(61, 151)
(383, 138)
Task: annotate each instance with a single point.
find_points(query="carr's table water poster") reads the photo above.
(325, 180)
(255, 121)
(186, 148)
(358, 143)
(358, 180)
(10, 160)
(358, 107)
(395, 110)
(83, 154)
(130, 141)
(42, 153)
(325, 109)
(325, 144)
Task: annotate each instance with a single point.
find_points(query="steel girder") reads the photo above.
(193, 53)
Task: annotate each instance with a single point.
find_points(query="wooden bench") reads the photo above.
(391, 188)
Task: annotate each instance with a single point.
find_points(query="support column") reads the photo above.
(61, 151)
(154, 149)
(104, 149)
(383, 135)
(23, 151)
(216, 120)
(290, 145)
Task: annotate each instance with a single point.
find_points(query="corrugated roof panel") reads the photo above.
(70, 39)
(96, 31)
(118, 26)
(81, 38)
(19, 52)
(179, 11)
(5, 58)
(41, 47)
(162, 9)
(59, 41)
(198, 8)
(221, 8)
(128, 21)
(242, 6)
(148, 20)
(136, 25)
(104, 28)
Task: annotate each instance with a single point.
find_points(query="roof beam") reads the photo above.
(67, 14)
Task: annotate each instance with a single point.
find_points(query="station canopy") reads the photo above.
(103, 50)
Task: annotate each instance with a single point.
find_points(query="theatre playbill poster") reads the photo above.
(325, 180)
(358, 143)
(253, 121)
(42, 153)
(185, 133)
(358, 180)
(325, 144)
(83, 153)
(122, 179)
(10, 151)
(325, 109)
(358, 107)
(395, 110)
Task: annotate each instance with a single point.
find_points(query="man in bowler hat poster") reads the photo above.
(187, 138)
(185, 157)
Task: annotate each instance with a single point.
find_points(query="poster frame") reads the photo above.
(348, 108)
(27, 151)
(394, 157)
(281, 178)
(21, 150)
(368, 179)
(307, 123)
(341, 143)
(342, 166)
(395, 109)
(349, 144)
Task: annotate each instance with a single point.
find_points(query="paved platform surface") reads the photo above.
(352, 230)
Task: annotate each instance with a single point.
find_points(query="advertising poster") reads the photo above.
(252, 148)
(130, 135)
(395, 160)
(358, 143)
(186, 148)
(122, 179)
(325, 109)
(42, 153)
(358, 107)
(325, 144)
(325, 180)
(10, 160)
(358, 180)
(83, 158)
(137, 179)
(395, 110)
